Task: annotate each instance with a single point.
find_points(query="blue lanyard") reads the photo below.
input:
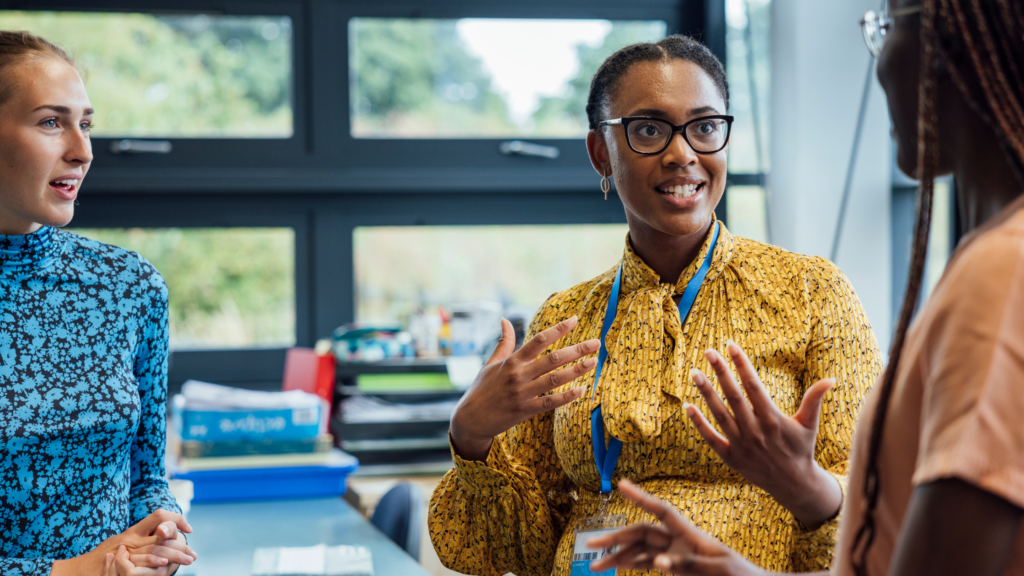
(607, 458)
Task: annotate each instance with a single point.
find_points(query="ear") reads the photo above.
(597, 148)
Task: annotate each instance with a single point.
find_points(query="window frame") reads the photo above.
(208, 156)
(323, 194)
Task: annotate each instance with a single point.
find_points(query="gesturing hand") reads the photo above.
(767, 447)
(510, 387)
(675, 546)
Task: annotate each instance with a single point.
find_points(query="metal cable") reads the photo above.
(848, 186)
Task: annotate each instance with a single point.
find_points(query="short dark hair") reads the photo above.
(674, 46)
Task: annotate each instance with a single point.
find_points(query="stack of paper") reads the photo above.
(321, 560)
(365, 409)
(220, 427)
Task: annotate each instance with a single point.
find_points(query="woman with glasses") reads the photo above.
(538, 446)
(937, 475)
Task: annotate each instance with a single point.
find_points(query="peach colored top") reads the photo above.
(959, 398)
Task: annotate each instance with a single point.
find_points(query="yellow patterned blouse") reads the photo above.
(798, 319)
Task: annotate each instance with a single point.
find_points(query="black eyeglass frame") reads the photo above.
(625, 122)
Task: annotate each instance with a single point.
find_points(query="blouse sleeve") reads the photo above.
(505, 514)
(842, 347)
(149, 490)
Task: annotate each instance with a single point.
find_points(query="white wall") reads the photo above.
(819, 62)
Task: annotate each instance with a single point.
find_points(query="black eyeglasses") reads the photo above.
(706, 135)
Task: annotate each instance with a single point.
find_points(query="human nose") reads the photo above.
(678, 151)
(79, 147)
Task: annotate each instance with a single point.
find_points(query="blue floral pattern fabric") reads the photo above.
(83, 386)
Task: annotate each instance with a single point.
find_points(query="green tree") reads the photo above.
(416, 78)
(570, 109)
(187, 76)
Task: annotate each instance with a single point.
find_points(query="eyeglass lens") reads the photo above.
(651, 136)
(874, 27)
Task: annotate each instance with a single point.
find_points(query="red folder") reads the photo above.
(308, 371)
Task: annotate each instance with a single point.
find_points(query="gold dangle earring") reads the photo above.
(606, 185)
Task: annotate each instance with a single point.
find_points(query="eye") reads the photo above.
(85, 126)
(706, 127)
(649, 130)
(49, 123)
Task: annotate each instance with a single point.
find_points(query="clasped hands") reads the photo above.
(155, 546)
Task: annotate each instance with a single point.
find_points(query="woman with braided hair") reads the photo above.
(537, 449)
(937, 475)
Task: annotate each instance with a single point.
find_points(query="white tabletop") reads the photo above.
(225, 535)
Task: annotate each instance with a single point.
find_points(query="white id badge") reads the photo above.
(587, 529)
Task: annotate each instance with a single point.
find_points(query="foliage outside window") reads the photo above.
(401, 269)
(479, 77)
(228, 287)
(177, 75)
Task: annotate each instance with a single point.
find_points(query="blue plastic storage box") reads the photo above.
(273, 483)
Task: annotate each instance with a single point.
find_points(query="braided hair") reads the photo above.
(675, 46)
(980, 44)
(16, 46)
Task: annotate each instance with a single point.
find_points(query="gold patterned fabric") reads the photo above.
(798, 319)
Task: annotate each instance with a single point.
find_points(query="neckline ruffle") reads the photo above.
(23, 253)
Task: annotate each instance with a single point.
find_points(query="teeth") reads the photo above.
(68, 182)
(681, 191)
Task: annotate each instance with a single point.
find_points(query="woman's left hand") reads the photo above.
(768, 448)
(674, 547)
(166, 554)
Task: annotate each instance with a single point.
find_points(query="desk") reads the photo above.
(225, 535)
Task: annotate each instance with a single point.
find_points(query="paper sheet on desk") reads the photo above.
(320, 560)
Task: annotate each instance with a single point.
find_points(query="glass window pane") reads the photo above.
(177, 75)
(747, 35)
(229, 287)
(401, 269)
(940, 235)
(479, 77)
(745, 206)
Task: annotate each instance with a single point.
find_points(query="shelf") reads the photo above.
(395, 366)
(403, 397)
(348, 432)
(392, 444)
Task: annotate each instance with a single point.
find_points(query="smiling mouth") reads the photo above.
(681, 190)
(66, 186)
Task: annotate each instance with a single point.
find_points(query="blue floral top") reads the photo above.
(83, 386)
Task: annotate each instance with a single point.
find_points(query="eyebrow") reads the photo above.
(62, 109)
(657, 113)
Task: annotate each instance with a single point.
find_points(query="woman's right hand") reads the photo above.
(148, 534)
(510, 387)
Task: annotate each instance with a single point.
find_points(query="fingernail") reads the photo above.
(695, 376)
(591, 344)
(572, 321)
(709, 354)
(589, 363)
